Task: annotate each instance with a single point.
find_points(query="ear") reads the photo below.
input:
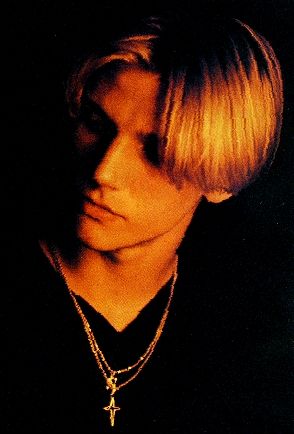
(217, 196)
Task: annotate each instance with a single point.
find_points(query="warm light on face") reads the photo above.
(220, 120)
(129, 199)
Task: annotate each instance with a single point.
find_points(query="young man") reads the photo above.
(162, 117)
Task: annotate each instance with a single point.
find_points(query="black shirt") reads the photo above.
(221, 364)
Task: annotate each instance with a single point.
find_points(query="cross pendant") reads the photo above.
(112, 408)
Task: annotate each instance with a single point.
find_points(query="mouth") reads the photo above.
(98, 211)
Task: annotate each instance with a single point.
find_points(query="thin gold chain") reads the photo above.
(99, 356)
(101, 361)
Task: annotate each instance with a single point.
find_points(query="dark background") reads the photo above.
(242, 249)
(249, 239)
(46, 37)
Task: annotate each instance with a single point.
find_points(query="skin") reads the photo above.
(145, 204)
(132, 216)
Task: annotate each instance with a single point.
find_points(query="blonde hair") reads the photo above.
(221, 99)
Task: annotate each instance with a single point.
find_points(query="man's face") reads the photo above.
(129, 200)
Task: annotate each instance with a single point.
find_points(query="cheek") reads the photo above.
(84, 140)
(163, 200)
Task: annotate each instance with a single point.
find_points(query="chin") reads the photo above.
(96, 243)
(98, 237)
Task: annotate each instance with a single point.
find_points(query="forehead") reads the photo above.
(129, 98)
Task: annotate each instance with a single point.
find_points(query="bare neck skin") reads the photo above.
(120, 283)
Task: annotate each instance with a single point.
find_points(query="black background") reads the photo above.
(252, 234)
(46, 37)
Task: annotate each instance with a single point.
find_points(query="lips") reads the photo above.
(98, 211)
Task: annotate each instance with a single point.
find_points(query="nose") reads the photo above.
(113, 170)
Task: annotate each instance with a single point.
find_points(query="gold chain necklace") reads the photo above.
(110, 375)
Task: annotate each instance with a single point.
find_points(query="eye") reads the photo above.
(92, 120)
(151, 149)
(96, 121)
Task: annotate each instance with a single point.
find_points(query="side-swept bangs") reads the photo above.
(133, 51)
(222, 115)
(220, 104)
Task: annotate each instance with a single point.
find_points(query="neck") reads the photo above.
(140, 265)
(116, 284)
(149, 263)
(119, 283)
